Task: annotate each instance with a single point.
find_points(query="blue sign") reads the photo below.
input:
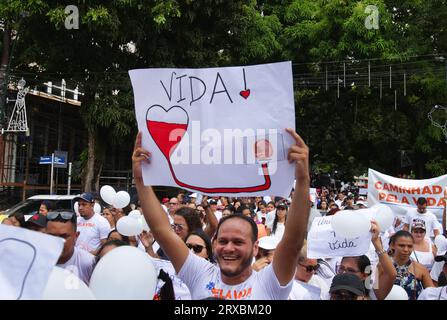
(58, 160)
(45, 160)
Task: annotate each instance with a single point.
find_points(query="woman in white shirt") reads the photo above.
(277, 227)
(424, 250)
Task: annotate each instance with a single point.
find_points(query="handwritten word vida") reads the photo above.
(341, 245)
(197, 88)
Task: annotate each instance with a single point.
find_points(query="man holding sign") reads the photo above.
(235, 242)
(217, 131)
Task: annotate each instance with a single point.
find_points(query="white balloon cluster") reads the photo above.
(133, 224)
(355, 223)
(117, 199)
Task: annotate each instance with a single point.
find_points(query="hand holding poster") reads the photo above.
(217, 130)
(324, 242)
(27, 259)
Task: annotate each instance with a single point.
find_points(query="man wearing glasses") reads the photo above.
(93, 228)
(307, 285)
(63, 224)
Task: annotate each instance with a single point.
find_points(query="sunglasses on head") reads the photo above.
(196, 247)
(310, 268)
(65, 215)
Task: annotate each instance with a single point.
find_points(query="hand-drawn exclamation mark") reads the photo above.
(246, 92)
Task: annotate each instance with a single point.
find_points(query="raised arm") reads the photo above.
(386, 271)
(210, 218)
(155, 216)
(286, 254)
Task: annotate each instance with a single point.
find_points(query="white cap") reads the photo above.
(267, 243)
(363, 203)
(194, 195)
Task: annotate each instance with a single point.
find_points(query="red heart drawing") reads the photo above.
(245, 93)
(166, 127)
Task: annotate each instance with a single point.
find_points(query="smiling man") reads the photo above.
(235, 242)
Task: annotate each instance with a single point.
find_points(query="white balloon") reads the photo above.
(129, 226)
(124, 273)
(108, 194)
(136, 214)
(144, 224)
(383, 215)
(97, 208)
(441, 242)
(65, 285)
(397, 293)
(349, 224)
(122, 199)
(76, 208)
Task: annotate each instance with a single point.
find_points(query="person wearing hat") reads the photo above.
(37, 222)
(267, 246)
(424, 251)
(347, 286)
(277, 227)
(93, 228)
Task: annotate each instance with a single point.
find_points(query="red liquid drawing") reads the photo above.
(164, 134)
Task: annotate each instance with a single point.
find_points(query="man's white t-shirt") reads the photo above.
(81, 264)
(431, 222)
(304, 291)
(204, 280)
(92, 231)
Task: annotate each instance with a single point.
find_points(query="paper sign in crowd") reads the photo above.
(323, 242)
(27, 259)
(217, 130)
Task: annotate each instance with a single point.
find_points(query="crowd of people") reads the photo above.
(216, 247)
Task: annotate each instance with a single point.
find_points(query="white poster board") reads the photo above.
(217, 131)
(26, 261)
(323, 242)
